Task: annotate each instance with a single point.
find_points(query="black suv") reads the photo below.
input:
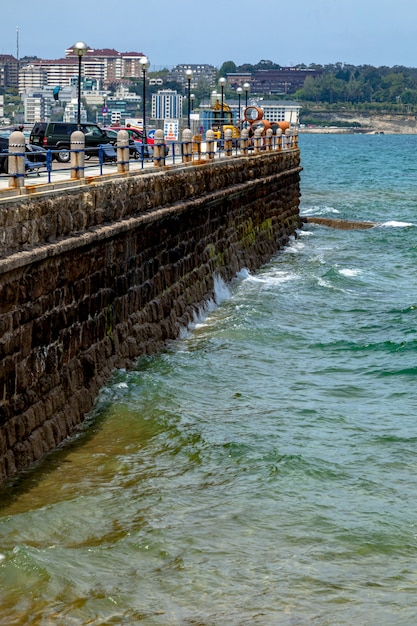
(57, 137)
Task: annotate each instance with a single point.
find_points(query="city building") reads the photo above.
(167, 104)
(122, 104)
(274, 110)
(109, 65)
(32, 77)
(40, 105)
(200, 73)
(105, 66)
(37, 108)
(71, 112)
(9, 71)
(285, 80)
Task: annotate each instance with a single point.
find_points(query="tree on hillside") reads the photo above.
(228, 67)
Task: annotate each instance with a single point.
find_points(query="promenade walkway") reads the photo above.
(61, 174)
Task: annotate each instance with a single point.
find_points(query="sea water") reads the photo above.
(261, 470)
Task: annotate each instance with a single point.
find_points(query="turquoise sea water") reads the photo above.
(263, 469)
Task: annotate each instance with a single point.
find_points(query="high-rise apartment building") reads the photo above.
(167, 104)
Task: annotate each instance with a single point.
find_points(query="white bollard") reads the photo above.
(122, 151)
(228, 144)
(77, 154)
(278, 139)
(186, 145)
(268, 139)
(257, 142)
(210, 144)
(244, 141)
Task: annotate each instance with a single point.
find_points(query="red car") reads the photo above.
(135, 133)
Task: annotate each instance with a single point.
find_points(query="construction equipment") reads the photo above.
(220, 118)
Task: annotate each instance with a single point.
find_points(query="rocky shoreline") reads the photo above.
(369, 124)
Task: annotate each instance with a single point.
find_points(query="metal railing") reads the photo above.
(123, 158)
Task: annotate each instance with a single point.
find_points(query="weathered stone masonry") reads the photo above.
(93, 276)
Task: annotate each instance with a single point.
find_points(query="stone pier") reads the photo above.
(96, 274)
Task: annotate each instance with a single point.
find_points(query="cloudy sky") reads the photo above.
(375, 32)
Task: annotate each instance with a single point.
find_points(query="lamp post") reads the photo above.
(246, 87)
(239, 91)
(222, 82)
(79, 49)
(188, 74)
(144, 62)
(192, 96)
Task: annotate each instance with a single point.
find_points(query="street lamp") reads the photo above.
(192, 96)
(188, 74)
(144, 62)
(239, 91)
(222, 82)
(79, 49)
(246, 87)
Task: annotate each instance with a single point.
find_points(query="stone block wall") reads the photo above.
(92, 278)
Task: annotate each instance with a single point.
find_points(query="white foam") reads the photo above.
(394, 224)
(350, 272)
(319, 210)
(273, 279)
(221, 290)
(294, 247)
(200, 314)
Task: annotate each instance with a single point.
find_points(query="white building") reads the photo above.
(281, 111)
(37, 108)
(40, 104)
(32, 78)
(104, 66)
(71, 111)
(274, 111)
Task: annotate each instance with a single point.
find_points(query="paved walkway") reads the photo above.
(61, 174)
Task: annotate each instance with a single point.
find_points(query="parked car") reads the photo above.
(134, 148)
(35, 156)
(137, 135)
(57, 137)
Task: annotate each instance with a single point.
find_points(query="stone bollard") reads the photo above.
(16, 160)
(295, 138)
(122, 151)
(279, 139)
(257, 142)
(268, 139)
(228, 144)
(186, 145)
(288, 138)
(210, 144)
(159, 149)
(197, 146)
(244, 141)
(77, 154)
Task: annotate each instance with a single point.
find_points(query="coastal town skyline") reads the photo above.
(319, 32)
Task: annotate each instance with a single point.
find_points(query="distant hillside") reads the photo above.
(387, 122)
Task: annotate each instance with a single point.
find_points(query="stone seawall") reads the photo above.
(94, 276)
